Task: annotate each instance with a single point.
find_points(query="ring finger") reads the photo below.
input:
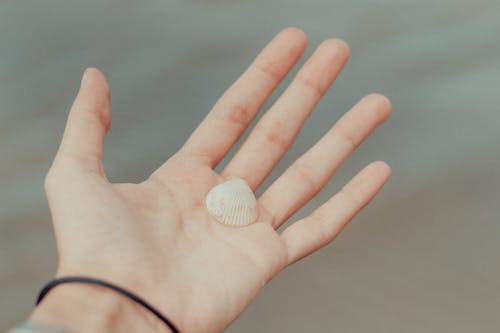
(307, 175)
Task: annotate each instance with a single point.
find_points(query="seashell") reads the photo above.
(232, 203)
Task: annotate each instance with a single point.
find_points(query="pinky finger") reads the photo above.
(325, 223)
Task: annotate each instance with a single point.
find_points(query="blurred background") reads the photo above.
(423, 257)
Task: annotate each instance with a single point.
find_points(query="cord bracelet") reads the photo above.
(81, 279)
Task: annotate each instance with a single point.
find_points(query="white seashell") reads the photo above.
(232, 203)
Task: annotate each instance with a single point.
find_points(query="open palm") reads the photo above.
(157, 238)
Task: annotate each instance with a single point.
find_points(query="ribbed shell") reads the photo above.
(232, 203)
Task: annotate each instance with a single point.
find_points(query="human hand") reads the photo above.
(156, 237)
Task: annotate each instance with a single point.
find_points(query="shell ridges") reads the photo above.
(232, 203)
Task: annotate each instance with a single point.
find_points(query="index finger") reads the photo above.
(237, 107)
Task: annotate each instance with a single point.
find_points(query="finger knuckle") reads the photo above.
(305, 175)
(311, 84)
(275, 134)
(270, 69)
(348, 137)
(240, 114)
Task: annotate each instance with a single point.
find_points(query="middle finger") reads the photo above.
(276, 131)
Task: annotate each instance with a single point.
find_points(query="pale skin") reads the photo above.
(157, 239)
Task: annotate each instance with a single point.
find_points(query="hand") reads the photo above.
(157, 239)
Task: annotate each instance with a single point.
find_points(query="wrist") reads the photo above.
(80, 307)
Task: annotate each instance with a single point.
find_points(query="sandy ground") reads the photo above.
(424, 257)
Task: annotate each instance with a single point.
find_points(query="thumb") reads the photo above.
(87, 124)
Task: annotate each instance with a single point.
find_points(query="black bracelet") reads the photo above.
(88, 280)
